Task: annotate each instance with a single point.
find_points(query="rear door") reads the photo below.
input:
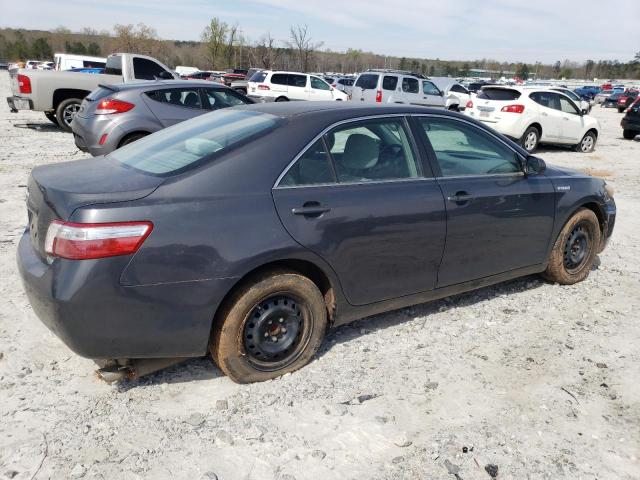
(359, 198)
(279, 85)
(174, 105)
(410, 87)
(298, 86)
(365, 88)
(498, 218)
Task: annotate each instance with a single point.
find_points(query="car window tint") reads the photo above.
(182, 97)
(389, 82)
(297, 80)
(410, 85)
(144, 69)
(194, 141)
(459, 89)
(462, 149)
(372, 151)
(429, 88)
(566, 106)
(367, 81)
(498, 94)
(279, 78)
(222, 98)
(258, 77)
(312, 168)
(546, 99)
(319, 84)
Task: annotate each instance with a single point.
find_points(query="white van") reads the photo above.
(67, 61)
(397, 86)
(269, 86)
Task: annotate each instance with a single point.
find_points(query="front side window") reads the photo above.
(182, 97)
(429, 88)
(410, 85)
(389, 82)
(462, 149)
(319, 84)
(194, 141)
(298, 81)
(222, 98)
(144, 69)
(312, 168)
(567, 107)
(372, 150)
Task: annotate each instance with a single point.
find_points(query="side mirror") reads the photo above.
(164, 75)
(584, 111)
(534, 165)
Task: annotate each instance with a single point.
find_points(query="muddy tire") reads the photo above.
(629, 134)
(575, 249)
(66, 111)
(588, 143)
(530, 139)
(272, 325)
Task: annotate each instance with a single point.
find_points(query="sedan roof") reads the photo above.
(155, 84)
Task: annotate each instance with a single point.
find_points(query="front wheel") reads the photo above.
(66, 111)
(575, 249)
(271, 326)
(587, 144)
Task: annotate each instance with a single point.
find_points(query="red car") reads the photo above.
(626, 99)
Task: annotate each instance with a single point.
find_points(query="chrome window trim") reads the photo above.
(346, 184)
(491, 134)
(323, 132)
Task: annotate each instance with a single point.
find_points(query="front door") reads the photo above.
(550, 117)
(498, 219)
(572, 122)
(319, 90)
(431, 95)
(359, 199)
(298, 86)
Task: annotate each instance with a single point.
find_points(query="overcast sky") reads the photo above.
(534, 30)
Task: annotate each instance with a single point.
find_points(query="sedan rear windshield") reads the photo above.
(190, 143)
(498, 94)
(367, 81)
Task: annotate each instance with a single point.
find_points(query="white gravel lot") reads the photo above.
(541, 380)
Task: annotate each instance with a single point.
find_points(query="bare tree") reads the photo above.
(136, 39)
(303, 46)
(214, 38)
(265, 54)
(231, 44)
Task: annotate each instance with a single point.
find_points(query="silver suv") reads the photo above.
(397, 86)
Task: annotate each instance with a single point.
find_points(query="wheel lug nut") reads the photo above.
(274, 339)
(281, 320)
(283, 330)
(269, 322)
(266, 334)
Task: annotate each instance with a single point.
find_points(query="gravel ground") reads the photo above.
(540, 380)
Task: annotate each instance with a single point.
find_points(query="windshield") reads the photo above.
(185, 145)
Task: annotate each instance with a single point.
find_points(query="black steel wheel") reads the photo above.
(576, 248)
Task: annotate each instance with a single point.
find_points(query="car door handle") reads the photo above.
(460, 197)
(565, 119)
(544, 114)
(311, 209)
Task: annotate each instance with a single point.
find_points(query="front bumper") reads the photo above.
(609, 223)
(18, 103)
(83, 304)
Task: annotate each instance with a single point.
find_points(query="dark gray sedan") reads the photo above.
(249, 231)
(116, 115)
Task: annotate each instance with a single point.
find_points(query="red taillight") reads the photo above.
(469, 104)
(24, 84)
(111, 105)
(83, 241)
(263, 87)
(379, 96)
(517, 108)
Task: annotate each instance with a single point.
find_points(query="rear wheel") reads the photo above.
(65, 112)
(271, 326)
(629, 134)
(282, 99)
(575, 249)
(51, 116)
(131, 138)
(530, 139)
(588, 143)
(454, 108)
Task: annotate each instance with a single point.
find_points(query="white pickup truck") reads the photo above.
(59, 94)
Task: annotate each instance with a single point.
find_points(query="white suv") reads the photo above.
(397, 86)
(269, 86)
(533, 115)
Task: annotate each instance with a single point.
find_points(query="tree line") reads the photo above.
(224, 45)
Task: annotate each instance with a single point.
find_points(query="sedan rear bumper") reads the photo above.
(83, 303)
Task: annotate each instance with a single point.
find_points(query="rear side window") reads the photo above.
(312, 168)
(195, 141)
(297, 81)
(410, 85)
(258, 77)
(181, 97)
(498, 94)
(367, 81)
(144, 69)
(389, 82)
(113, 65)
(546, 99)
(279, 79)
(90, 64)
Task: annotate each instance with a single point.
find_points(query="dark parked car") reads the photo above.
(631, 121)
(612, 100)
(251, 230)
(475, 87)
(116, 115)
(626, 99)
